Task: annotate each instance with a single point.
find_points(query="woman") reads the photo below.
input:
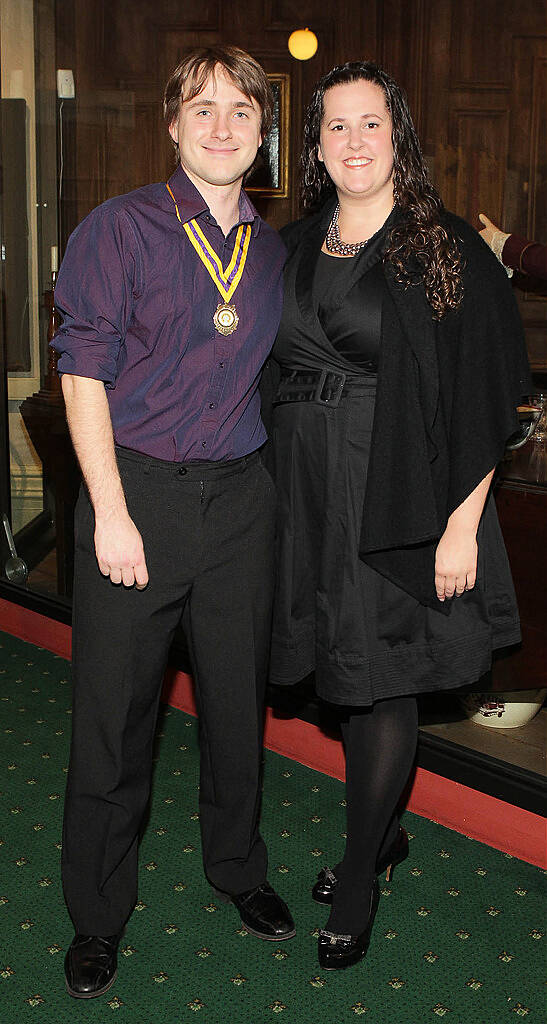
(402, 361)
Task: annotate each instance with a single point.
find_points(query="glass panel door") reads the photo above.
(34, 412)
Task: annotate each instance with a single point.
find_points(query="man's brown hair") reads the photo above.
(194, 70)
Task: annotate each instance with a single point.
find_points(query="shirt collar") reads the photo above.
(191, 202)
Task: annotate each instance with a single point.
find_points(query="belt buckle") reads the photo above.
(333, 399)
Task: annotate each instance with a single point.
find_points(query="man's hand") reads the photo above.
(455, 563)
(119, 550)
(118, 543)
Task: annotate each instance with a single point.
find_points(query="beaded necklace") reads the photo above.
(333, 242)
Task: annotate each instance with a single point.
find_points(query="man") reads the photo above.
(171, 298)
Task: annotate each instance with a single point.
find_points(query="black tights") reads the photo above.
(380, 743)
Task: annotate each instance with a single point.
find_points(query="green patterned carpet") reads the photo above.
(460, 933)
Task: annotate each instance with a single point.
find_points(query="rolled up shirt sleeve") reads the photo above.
(95, 290)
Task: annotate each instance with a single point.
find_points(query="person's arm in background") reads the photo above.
(514, 251)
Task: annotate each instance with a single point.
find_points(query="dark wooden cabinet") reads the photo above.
(521, 499)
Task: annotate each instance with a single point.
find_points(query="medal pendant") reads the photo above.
(225, 318)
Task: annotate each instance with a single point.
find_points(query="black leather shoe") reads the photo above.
(326, 879)
(264, 913)
(91, 965)
(339, 951)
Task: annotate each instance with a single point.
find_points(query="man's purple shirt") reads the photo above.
(138, 309)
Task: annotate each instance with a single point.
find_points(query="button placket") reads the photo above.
(214, 394)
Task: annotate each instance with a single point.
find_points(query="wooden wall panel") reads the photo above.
(475, 72)
(480, 51)
(403, 48)
(537, 219)
(479, 144)
(526, 199)
(484, 127)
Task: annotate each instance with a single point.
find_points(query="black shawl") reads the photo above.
(445, 406)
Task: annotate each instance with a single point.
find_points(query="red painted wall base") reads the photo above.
(458, 807)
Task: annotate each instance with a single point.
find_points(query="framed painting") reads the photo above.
(269, 175)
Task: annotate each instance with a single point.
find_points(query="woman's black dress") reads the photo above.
(363, 637)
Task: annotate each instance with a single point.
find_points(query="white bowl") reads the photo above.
(507, 710)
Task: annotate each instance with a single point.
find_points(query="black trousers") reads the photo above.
(208, 540)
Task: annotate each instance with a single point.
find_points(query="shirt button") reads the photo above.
(182, 471)
(212, 405)
(221, 366)
(204, 444)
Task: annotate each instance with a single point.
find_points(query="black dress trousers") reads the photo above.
(208, 539)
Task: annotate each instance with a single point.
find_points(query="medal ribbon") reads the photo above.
(226, 280)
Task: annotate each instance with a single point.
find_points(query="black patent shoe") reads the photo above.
(263, 913)
(91, 965)
(339, 951)
(324, 887)
(326, 879)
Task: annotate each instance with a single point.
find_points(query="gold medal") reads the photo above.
(225, 318)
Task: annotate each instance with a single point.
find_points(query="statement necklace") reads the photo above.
(333, 243)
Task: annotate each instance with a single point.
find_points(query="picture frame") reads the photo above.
(269, 175)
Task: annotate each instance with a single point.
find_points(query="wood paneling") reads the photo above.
(485, 126)
(475, 72)
(471, 167)
(480, 51)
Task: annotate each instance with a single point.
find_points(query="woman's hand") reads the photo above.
(492, 235)
(456, 555)
(455, 562)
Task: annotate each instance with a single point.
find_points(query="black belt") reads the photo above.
(323, 386)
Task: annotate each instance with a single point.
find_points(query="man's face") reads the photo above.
(218, 132)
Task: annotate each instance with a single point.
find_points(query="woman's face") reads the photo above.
(355, 140)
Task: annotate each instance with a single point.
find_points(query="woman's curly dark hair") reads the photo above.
(421, 247)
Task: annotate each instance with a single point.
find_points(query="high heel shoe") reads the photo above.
(327, 880)
(338, 951)
(397, 853)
